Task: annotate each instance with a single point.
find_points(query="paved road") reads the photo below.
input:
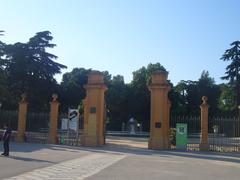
(116, 161)
(26, 157)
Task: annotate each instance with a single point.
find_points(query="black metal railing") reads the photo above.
(10, 118)
(71, 138)
(37, 121)
(193, 130)
(224, 134)
(36, 137)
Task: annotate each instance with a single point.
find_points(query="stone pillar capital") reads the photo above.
(204, 104)
(159, 77)
(54, 98)
(23, 99)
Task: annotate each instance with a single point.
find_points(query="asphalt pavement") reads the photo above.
(119, 159)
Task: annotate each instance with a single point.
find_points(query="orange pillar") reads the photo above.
(204, 146)
(22, 116)
(160, 109)
(54, 104)
(93, 134)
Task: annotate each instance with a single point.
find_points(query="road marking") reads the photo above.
(79, 168)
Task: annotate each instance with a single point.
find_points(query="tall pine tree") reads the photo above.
(233, 69)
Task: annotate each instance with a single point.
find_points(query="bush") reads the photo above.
(172, 136)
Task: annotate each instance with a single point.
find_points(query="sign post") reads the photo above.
(181, 136)
(73, 121)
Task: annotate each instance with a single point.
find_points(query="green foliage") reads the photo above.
(129, 100)
(139, 97)
(233, 69)
(188, 95)
(30, 69)
(172, 136)
(71, 90)
(2, 53)
(227, 98)
(107, 77)
(233, 55)
(81, 108)
(116, 97)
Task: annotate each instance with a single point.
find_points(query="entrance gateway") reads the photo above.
(93, 134)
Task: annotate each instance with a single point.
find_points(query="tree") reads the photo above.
(233, 69)
(207, 87)
(71, 90)
(116, 96)
(2, 52)
(190, 94)
(178, 98)
(227, 98)
(31, 69)
(139, 95)
(5, 95)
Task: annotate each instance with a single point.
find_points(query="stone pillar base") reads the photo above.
(92, 141)
(159, 144)
(20, 138)
(52, 140)
(204, 147)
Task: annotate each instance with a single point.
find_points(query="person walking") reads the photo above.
(6, 138)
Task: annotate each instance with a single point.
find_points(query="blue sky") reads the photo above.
(185, 36)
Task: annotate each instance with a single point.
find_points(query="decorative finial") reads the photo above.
(54, 96)
(23, 96)
(204, 99)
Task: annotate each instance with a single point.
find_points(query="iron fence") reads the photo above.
(37, 121)
(193, 130)
(10, 118)
(224, 134)
(36, 137)
(71, 138)
(65, 137)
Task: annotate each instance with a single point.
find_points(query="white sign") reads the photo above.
(73, 119)
(64, 124)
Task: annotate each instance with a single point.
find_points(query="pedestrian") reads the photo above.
(6, 138)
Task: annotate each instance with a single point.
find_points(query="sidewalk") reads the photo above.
(26, 157)
(35, 161)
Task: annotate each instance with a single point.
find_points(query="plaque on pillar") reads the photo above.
(93, 110)
(158, 125)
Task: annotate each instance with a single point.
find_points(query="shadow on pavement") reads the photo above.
(27, 159)
(225, 157)
(31, 147)
(126, 149)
